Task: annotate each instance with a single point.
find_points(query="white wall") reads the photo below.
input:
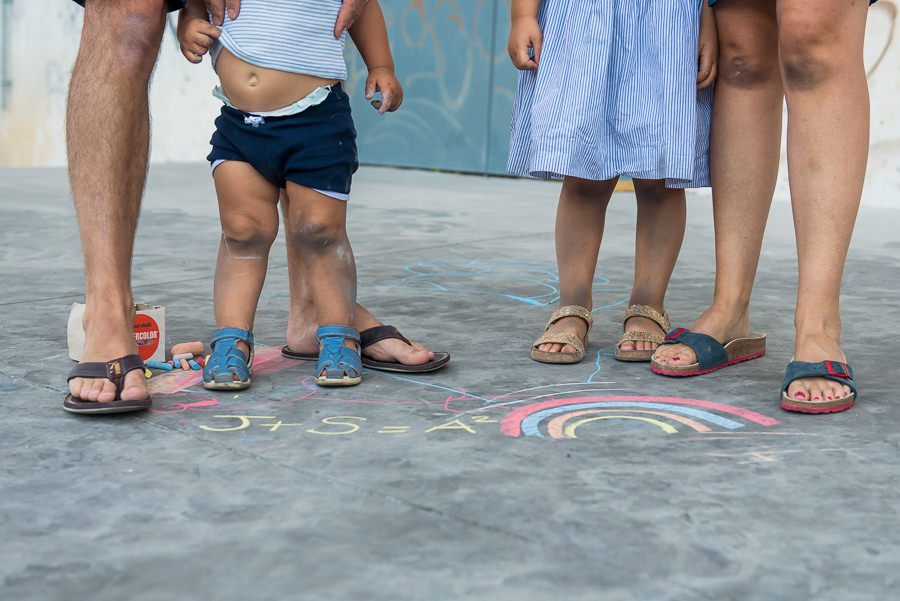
(44, 36)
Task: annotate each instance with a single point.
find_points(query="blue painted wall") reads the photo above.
(458, 86)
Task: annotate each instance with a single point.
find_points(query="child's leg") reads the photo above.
(827, 96)
(745, 149)
(316, 225)
(660, 231)
(580, 218)
(249, 216)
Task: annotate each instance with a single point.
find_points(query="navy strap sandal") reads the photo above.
(114, 371)
(338, 365)
(835, 371)
(711, 354)
(226, 367)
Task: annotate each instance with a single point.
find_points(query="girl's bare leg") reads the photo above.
(579, 229)
(658, 237)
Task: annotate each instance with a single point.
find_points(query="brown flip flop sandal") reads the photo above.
(659, 318)
(370, 337)
(563, 337)
(114, 371)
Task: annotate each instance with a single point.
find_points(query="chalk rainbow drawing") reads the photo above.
(560, 418)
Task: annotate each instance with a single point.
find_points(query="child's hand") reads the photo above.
(525, 36)
(195, 35)
(708, 50)
(383, 79)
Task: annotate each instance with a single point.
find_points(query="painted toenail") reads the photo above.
(799, 395)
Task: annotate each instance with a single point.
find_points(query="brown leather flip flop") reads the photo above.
(114, 371)
(370, 337)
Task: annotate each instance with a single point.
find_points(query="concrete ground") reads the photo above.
(470, 483)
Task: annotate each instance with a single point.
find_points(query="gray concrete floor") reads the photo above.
(418, 488)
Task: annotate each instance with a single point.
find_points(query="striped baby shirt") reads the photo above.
(286, 35)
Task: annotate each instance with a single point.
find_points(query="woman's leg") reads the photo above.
(658, 237)
(316, 224)
(746, 140)
(821, 46)
(579, 229)
(249, 216)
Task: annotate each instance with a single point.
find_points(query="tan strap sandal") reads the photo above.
(660, 318)
(563, 338)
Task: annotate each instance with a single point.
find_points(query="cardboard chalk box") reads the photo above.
(149, 332)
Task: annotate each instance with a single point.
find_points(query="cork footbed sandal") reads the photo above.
(563, 337)
(659, 318)
(711, 354)
(836, 371)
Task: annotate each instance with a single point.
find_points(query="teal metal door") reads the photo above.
(458, 86)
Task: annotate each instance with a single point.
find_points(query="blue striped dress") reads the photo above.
(615, 94)
(296, 36)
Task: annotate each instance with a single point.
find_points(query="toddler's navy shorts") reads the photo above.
(315, 148)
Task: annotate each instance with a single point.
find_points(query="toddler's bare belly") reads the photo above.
(256, 89)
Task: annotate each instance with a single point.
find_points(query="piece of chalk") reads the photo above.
(147, 373)
(194, 348)
(184, 365)
(181, 356)
(200, 361)
(194, 365)
(158, 365)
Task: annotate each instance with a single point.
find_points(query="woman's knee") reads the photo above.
(248, 233)
(809, 51)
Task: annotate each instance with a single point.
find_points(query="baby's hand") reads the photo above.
(383, 79)
(196, 36)
(525, 36)
(708, 50)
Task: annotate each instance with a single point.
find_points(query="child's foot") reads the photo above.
(721, 325)
(641, 324)
(645, 328)
(815, 348)
(230, 364)
(567, 325)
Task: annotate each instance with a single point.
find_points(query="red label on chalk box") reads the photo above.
(146, 334)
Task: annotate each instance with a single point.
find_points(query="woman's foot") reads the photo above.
(814, 348)
(720, 324)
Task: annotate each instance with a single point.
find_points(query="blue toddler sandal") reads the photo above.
(226, 367)
(835, 371)
(341, 365)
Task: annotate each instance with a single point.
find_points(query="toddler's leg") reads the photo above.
(316, 225)
(580, 218)
(658, 237)
(249, 215)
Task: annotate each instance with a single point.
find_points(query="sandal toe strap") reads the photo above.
(571, 311)
(661, 318)
(378, 333)
(560, 338)
(639, 336)
(114, 370)
(836, 371)
(709, 351)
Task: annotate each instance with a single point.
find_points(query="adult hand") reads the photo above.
(350, 11)
(217, 9)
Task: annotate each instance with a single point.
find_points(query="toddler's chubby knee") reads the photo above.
(316, 235)
(247, 233)
(807, 54)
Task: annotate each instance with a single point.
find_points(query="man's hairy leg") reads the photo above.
(108, 138)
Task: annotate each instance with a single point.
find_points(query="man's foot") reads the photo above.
(815, 348)
(107, 339)
(641, 324)
(301, 338)
(567, 325)
(721, 325)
